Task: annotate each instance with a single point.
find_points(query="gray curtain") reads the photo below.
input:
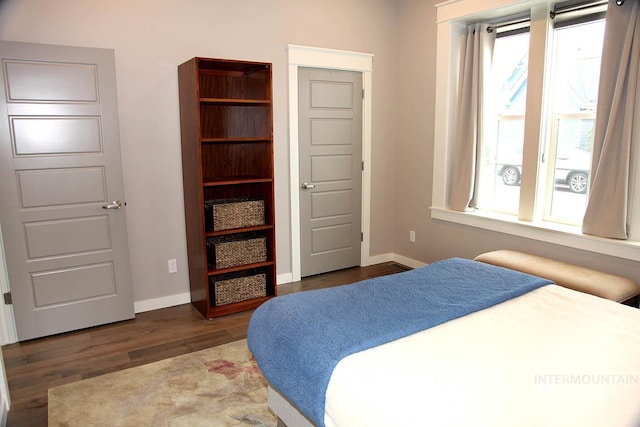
(475, 62)
(617, 131)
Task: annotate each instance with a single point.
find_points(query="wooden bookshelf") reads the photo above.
(226, 121)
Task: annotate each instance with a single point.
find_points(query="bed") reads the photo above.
(456, 343)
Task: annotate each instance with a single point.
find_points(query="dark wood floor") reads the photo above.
(34, 366)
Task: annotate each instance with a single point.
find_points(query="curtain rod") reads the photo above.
(578, 8)
(552, 15)
(492, 28)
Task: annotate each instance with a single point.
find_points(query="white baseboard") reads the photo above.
(409, 262)
(4, 411)
(185, 298)
(393, 257)
(284, 278)
(162, 302)
(379, 259)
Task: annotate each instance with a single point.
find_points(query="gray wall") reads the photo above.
(152, 37)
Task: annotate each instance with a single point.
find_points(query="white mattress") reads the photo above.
(553, 357)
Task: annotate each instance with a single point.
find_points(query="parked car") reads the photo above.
(572, 170)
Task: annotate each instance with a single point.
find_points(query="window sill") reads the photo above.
(545, 232)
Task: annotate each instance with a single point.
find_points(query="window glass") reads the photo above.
(571, 109)
(502, 144)
(578, 51)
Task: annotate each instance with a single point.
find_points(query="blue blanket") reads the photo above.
(298, 339)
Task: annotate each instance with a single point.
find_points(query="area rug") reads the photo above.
(220, 386)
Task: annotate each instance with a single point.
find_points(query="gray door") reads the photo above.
(62, 211)
(330, 139)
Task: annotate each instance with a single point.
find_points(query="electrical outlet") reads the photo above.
(412, 236)
(173, 266)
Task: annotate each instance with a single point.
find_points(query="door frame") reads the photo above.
(314, 57)
(8, 332)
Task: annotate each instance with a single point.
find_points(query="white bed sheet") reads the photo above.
(552, 357)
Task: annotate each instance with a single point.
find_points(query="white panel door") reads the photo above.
(62, 211)
(330, 147)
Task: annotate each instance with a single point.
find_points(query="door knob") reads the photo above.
(307, 186)
(113, 205)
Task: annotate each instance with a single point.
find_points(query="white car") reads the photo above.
(572, 170)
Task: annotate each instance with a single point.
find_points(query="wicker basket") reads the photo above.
(228, 289)
(234, 250)
(229, 214)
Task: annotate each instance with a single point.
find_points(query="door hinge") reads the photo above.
(363, 165)
(361, 238)
(362, 93)
(7, 298)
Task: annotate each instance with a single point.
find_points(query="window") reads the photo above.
(535, 207)
(501, 165)
(578, 50)
(563, 168)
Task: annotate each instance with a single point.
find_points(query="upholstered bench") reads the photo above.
(604, 285)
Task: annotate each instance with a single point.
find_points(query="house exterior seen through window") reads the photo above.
(563, 168)
(501, 166)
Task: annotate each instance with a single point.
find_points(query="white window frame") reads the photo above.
(552, 159)
(452, 17)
